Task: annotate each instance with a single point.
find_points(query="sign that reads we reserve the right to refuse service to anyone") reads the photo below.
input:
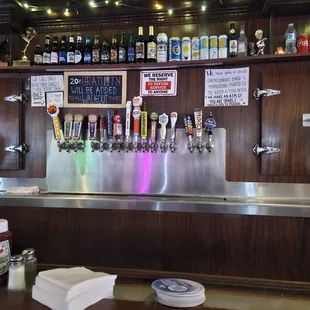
(158, 83)
(227, 87)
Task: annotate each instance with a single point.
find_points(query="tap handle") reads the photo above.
(128, 118)
(110, 123)
(188, 123)
(137, 102)
(68, 124)
(117, 126)
(198, 122)
(163, 121)
(101, 128)
(92, 126)
(173, 120)
(210, 123)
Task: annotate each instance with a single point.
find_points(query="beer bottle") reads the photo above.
(55, 52)
(131, 51)
(105, 52)
(38, 56)
(47, 51)
(151, 46)
(114, 50)
(96, 51)
(71, 51)
(140, 47)
(78, 54)
(122, 51)
(87, 51)
(233, 44)
(63, 51)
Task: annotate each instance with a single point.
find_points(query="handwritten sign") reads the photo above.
(42, 84)
(158, 83)
(227, 87)
(55, 98)
(95, 89)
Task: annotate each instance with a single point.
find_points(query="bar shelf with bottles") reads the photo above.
(133, 135)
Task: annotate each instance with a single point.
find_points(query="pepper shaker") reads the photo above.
(30, 267)
(17, 274)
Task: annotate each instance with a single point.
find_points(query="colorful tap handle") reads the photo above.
(173, 120)
(92, 126)
(154, 119)
(53, 112)
(128, 118)
(117, 126)
(77, 126)
(198, 122)
(68, 124)
(188, 123)
(110, 123)
(101, 128)
(210, 123)
(163, 121)
(136, 113)
(144, 121)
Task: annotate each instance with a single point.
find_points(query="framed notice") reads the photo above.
(55, 98)
(95, 89)
(227, 87)
(158, 83)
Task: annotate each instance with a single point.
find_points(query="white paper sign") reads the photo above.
(55, 98)
(158, 83)
(42, 84)
(306, 120)
(227, 87)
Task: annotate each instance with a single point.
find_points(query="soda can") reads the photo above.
(204, 47)
(162, 47)
(195, 48)
(223, 46)
(302, 43)
(186, 48)
(174, 49)
(214, 51)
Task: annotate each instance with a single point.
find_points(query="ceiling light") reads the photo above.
(117, 3)
(158, 6)
(92, 4)
(26, 6)
(67, 13)
(49, 11)
(106, 1)
(170, 11)
(203, 8)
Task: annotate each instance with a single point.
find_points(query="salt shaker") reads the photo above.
(17, 274)
(30, 267)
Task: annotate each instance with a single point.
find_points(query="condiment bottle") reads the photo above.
(17, 274)
(5, 250)
(30, 267)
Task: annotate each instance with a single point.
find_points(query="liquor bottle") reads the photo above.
(140, 47)
(87, 52)
(131, 51)
(122, 51)
(63, 51)
(96, 51)
(38, 56)
(233, 44)
(114, 50)
(78, 54)
(55, 52)
(105, 52)
(242, 43)
(71, 51)
(151, 46)
(47, 51)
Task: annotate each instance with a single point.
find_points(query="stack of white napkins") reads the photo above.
(72, 288)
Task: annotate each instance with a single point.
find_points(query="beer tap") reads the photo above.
(77, 127)
(68, 124)
(198, 124)
(188, 122)
(92, 131)
(118, 132)
(111, 146)
(154, 119)
(137, 102)
(128, 145)
(173, 120)
(210, 124)
(53, 112)
(144, 143)
(102, 144)
(163, 121)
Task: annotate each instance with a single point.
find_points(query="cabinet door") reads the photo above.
(282, 119)
(9, 123)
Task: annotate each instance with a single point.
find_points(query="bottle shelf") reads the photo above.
(161, 66)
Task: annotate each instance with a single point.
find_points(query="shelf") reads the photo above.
(167, 65)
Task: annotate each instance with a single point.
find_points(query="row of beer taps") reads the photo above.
(118, 140)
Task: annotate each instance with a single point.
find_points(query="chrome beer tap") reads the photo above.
(77, 127)
(163, 121)
(111, 146)
(68, 125)
(136, 113)
(128, 145)
(102, 144)
(144, 143)
(210, 124)
(188, 123)
(92, 132)
(198, 124)
(173, 120)
(118, 132)
(154, 119)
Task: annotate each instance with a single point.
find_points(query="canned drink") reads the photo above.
(162, 47)
(195, 48)
(204, 47)
(223, 46)
(214, 52)
(174, 49)
(302, 43)
(186, 49)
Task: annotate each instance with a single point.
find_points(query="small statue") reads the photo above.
(30, 34)
(261, 42)
(252, 49)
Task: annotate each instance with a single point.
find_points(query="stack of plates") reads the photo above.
(179, 293)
